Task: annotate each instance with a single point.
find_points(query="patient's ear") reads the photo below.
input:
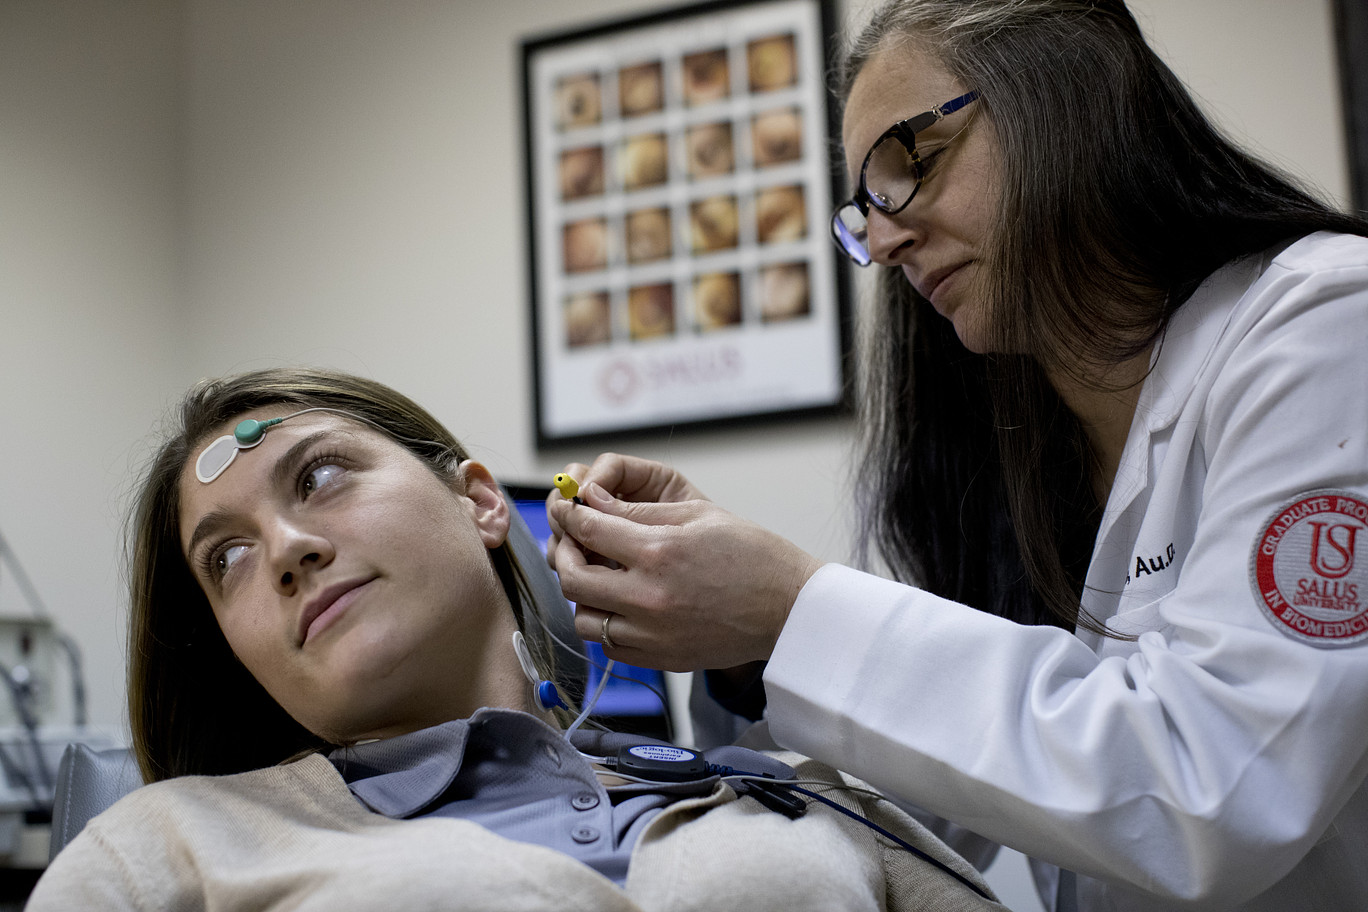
(491, 510)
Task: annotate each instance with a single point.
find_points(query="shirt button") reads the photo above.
(583, 834)
(584, 801)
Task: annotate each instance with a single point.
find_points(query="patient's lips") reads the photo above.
(324, 608)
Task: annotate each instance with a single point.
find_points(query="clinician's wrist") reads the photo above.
(804, 568)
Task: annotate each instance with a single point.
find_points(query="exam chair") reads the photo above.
(90, 780)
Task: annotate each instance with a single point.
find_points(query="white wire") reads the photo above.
(608, 772)
(607, 672)
(593, 701)
(824, 783)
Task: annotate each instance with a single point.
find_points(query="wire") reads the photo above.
(40, 611)
(20, 696)
(822, 782)
(22, 580)
(14, 770)
(883, 832)
(902, 843)
(78, 691)
(608, 673)
(593, 701)
(630, 778)
(728, 774)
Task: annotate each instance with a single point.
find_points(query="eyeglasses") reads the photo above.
(890, 176)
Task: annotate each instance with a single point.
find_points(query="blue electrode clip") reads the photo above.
(544, 692)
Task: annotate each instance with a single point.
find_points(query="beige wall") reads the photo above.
(92, 321)
(189, 187)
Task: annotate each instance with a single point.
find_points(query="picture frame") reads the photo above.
(1351, 32)
(680, 181)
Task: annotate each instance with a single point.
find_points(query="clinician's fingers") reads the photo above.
(599, 586)
(576, 471)
(627, 641)
(590, 627)
(640, 480)
(620, 531)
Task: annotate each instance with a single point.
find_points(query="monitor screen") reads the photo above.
(630, 701)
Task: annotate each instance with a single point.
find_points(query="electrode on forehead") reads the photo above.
(219, 455)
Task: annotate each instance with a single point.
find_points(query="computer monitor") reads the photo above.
(633, 700)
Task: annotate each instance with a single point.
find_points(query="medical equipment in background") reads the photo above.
(37, 662)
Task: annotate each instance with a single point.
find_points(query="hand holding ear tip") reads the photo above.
(568, 487)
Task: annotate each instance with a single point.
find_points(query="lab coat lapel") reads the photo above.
(1179, 359)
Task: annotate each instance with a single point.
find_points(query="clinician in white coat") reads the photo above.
(1115, 418)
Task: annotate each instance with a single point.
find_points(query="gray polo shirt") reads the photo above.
(518, 777)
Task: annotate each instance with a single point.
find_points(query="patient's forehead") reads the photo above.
(251, 469)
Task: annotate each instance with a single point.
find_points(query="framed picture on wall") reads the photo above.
(679, 185)
(1351, 29)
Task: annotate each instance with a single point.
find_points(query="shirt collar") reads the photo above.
(401, 776)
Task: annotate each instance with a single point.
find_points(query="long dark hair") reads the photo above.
(193, 707)
(1119, 198)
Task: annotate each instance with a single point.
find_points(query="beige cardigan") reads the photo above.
(293, 837)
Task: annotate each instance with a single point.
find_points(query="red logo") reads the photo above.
(1305, 572)
(1343, 546)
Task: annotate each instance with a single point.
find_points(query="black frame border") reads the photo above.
(828, 13)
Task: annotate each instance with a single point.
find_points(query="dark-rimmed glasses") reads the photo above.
(890, 176)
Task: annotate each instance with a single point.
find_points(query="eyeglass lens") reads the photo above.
(891, 177)
(852, 230)
(891, 174)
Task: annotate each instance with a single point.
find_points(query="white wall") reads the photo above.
(189, 187)
(90, 314)
(355, 199)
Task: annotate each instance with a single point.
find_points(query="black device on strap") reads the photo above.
(662, 763)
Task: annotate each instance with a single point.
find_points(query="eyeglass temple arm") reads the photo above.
(950, 107)
(913, 125)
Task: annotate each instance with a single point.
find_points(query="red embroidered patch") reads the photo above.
(1305, 572)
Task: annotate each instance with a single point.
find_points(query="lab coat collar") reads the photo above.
(1181, 356)
(1190, 341)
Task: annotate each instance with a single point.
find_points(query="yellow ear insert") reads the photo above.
(566, 485)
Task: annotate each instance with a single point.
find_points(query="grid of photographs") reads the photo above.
(681, 159)
(681, 185)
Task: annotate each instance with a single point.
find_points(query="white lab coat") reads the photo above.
(1216, 761)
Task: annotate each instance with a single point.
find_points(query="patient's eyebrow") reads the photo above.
(209, 523)
(282, 473)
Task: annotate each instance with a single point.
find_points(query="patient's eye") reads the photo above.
(216, 562)
(224, 560)
(319, 477)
